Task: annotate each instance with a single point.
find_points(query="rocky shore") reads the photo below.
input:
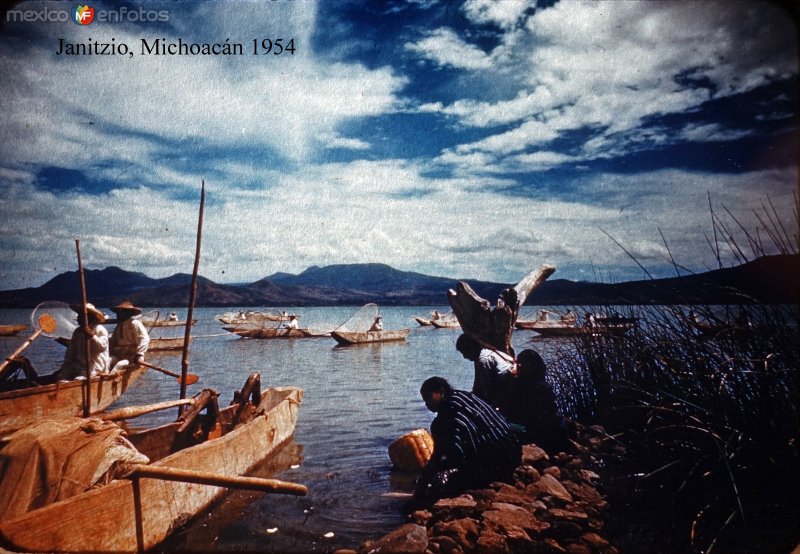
(552, 506)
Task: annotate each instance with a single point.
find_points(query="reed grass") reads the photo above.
(708, 423)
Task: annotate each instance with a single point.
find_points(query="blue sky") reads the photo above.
(468, 139)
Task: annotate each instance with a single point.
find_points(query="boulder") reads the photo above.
(409, 538)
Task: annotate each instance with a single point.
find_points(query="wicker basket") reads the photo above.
(411, 451)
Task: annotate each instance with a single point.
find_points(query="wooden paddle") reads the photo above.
(217, 480)
(190, 379)
(47, 324)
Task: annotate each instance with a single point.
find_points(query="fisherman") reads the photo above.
(377, 325)
(74, 364)
(473, 444)
(292, 323)
(494, 371)
(533, 406)
(173, 316)
(129, 340)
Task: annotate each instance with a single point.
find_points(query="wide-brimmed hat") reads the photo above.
(90, 310)
(126, 307)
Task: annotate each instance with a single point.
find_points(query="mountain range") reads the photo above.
(769, 279)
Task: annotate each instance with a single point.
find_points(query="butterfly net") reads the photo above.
(66, 319)
(362, 320)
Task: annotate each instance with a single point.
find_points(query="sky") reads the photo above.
(475, 139)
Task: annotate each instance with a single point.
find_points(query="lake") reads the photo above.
(357, 400)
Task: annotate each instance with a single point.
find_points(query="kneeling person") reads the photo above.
(473, 444)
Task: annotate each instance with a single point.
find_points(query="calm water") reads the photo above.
(357, 400)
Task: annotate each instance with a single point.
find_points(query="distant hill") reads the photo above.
(770, 279)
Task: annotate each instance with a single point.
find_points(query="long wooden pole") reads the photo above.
(218, 480)
(192, 294)
(87, 399)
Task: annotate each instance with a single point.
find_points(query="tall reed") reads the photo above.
(704, 401)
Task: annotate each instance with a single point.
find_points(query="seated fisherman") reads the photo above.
(494, 371)
(292, 323)
(473, 444)
(74, 364)
(377, 325)
(130, 340)
(533, 406)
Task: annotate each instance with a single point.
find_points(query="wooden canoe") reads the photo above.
(272, 332)
(445, 323)
(11, 330)
(346, 338)
(550, 329)
(62, 399)
(165, 344)
(105, 519)
(422, 321)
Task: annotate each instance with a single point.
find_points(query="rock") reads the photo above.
(554, 471)
(463, 501)
(527, 474)
(550, 545)
(445, 545)
(594, 540)
(567, 514)
(578, 548)
(489, 541)
(512, 495)
(464, 531)
(409, 538)
(549, 486)
(420, 517)
(532, 454)
(509, 520)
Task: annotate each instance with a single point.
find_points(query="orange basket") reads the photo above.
(411, 451)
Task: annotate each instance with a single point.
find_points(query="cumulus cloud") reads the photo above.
(444, 47)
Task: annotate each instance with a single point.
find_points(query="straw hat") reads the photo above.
(126, 307)
(90, 310)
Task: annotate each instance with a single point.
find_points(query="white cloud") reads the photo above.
(503, 14)
(445, 48)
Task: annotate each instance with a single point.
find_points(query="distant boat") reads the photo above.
(346, 338)
(166, 323)
(446, 322)
(11, 330)
(272, 332)
(160, 344)
(435, 315)
(422, 321)
(366, 326)
(251, 317)
(553, 324)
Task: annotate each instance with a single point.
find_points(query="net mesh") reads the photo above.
(362, 320)
(65, 317)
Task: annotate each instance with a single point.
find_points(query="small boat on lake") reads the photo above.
(446, 322)
(168, 344)
(11, 330)
(553, 324)
(366, 326)
(435, 316)
(273, 332)
(346, 338)
(191, 461)
(253, 317)
(63, 398)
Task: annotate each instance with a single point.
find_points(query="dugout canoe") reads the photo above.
(445, 323)
(422, 321)
(165, 323)
(346, 338)
(551, 329)
(11, 330)
(106, 519)
(63, 398)
(272, 332)
(165, 344)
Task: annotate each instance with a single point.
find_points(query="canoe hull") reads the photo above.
(445, 324)
(63, 399)
(347, 338)
(162, 344)
(104, 519)
(573, 330)
(271, 333)
(11, 330)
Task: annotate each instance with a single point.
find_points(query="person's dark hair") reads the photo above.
(531, 364)
(467, 345)
(435, 384)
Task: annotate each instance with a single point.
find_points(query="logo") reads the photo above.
(84, 15)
